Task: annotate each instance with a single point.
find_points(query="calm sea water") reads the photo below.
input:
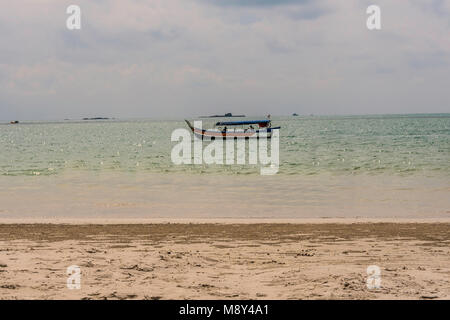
(356, 166)
(393, 144)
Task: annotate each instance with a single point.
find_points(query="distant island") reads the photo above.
(226, 115)
(96, 118)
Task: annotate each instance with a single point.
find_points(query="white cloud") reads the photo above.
(190, 57)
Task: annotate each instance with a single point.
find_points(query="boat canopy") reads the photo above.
(238, 123)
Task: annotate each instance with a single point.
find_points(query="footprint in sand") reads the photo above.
(9, 286)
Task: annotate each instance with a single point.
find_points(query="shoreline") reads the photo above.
(439, 231)
(119, 221)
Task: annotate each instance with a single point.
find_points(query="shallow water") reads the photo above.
(149, 195)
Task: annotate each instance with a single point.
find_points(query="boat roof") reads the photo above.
(237, 123)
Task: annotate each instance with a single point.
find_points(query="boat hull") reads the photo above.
(232, 134)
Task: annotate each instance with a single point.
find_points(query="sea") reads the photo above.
(372, 166)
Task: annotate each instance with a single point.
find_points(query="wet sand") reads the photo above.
(225, 261)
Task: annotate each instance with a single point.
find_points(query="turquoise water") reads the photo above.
(385, 144)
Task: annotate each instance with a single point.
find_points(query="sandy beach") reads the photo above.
(225, 261)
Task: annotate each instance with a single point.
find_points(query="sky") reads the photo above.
(185, 58)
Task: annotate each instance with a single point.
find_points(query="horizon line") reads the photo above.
(199, 116)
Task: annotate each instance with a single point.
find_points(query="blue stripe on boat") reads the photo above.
(236, 123)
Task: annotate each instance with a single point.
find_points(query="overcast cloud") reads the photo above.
(183, 58)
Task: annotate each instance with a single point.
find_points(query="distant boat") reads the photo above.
(14, 122)
(295, 115)
(226, 115)
(241, 129)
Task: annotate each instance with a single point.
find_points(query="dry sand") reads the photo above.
(225, 261)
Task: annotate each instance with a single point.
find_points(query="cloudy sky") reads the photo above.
(183, 58)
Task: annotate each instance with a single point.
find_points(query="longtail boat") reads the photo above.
(239, 129)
